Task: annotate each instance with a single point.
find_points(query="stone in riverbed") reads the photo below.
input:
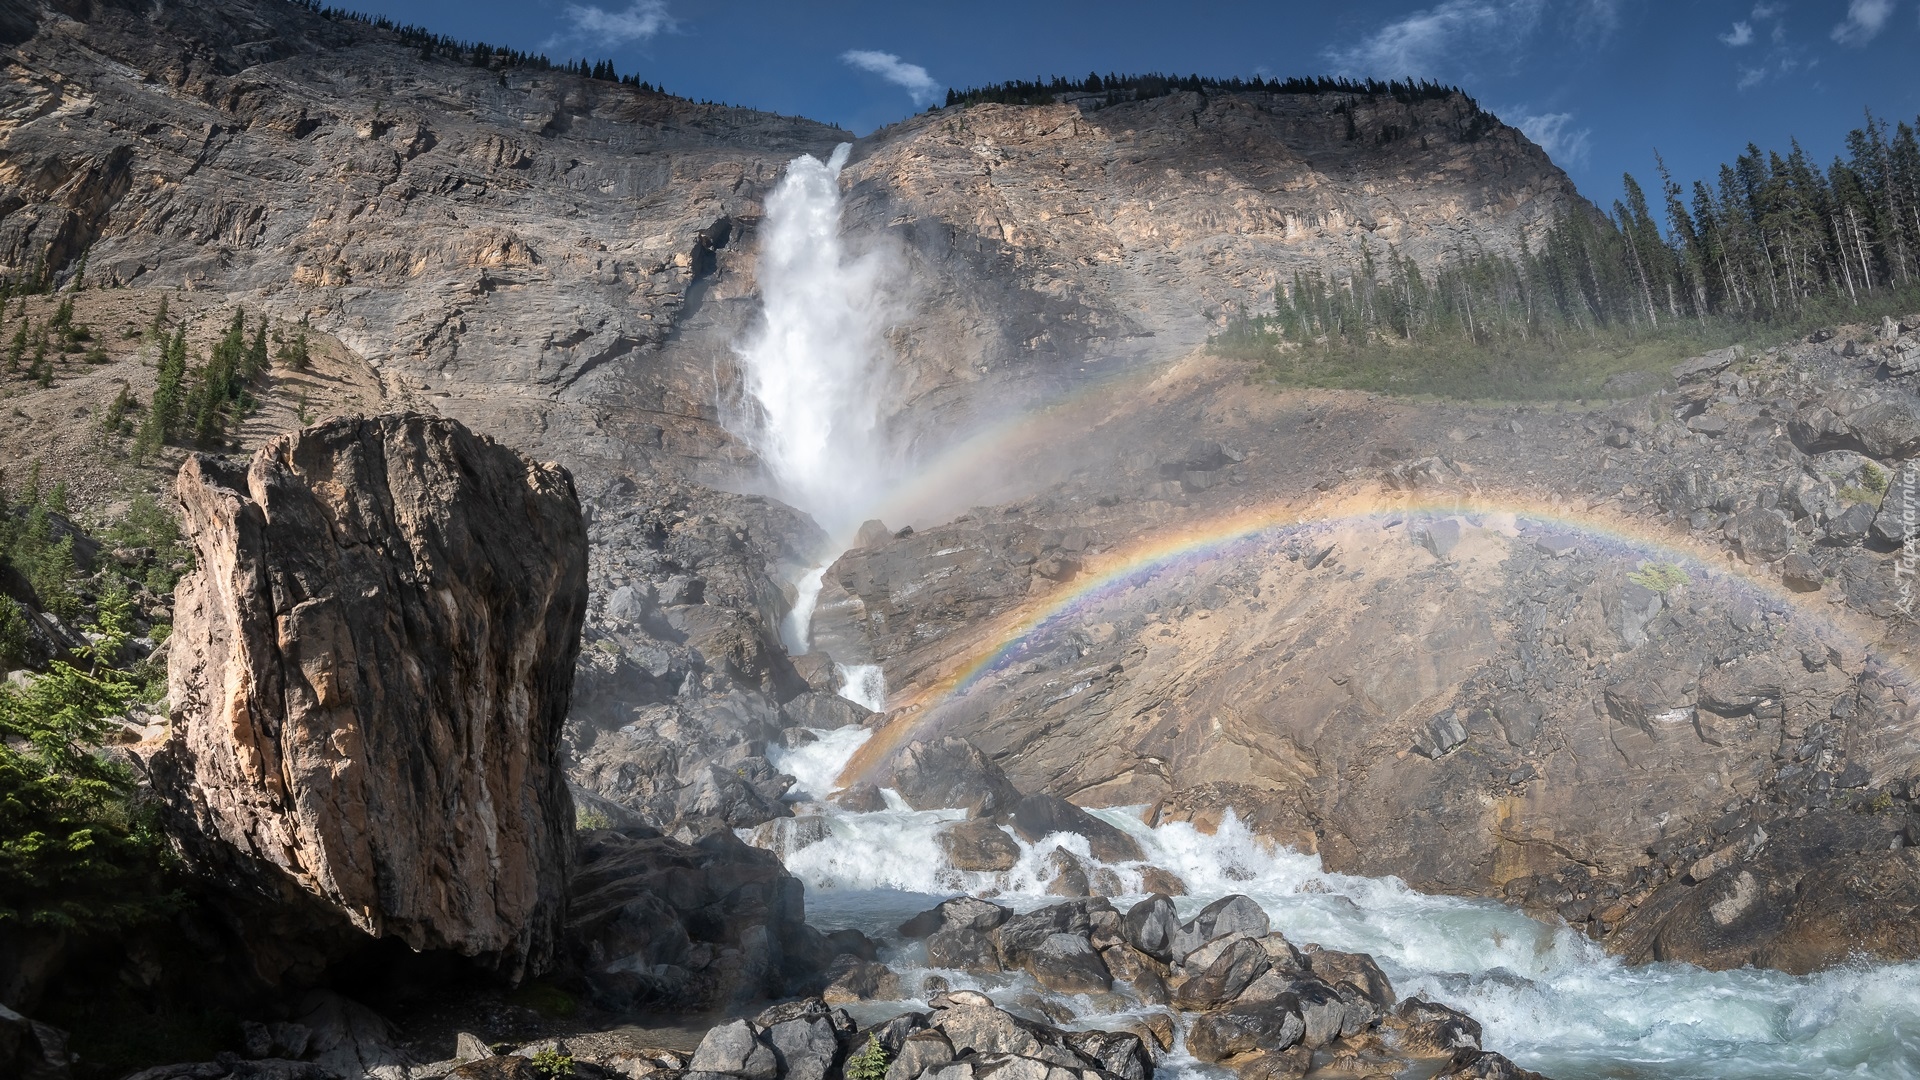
(860, 799)
(1234, 914)
(1240, 1029)
(1484, 1065)
(1120, 1054)
(978, 846)
(952, 773)
(804, 1047)
(1069, 874)
(1221, 981)
(1067, 964)
(967, 950)
(735, 1049)
(1130, 965)
(919, 1052)
(1151, 925)
(1430, 1029)
(959, 913)
(1023, 933)
(1155, 880)
(1041, 815)
(852, 979)
(1356, 970)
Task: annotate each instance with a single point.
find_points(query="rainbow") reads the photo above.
(1207, 539)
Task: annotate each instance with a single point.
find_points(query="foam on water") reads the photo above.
(864, 685)
(815, 766)
(796, 631)
(1546, 996)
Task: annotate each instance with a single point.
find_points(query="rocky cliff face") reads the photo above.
(1049, 236)
(372, 662)
(564, 262)
(514, 247)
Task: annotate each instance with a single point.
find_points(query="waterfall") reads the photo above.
(815, 368)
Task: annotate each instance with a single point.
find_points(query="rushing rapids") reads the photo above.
(1546, 996)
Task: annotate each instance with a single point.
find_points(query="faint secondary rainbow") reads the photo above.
(1204, 540)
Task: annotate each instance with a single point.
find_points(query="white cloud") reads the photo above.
(641, 22)
(1752, 77)
(1865, 18)
(1552, 132)
(1741, 34)
(914, 78)
(1437, 41)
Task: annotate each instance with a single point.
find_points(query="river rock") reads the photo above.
(917, 1053)
(978, 846)
(1227, 916)
(805, 1047)
(860, 799)
(952, 772)
(1484, 1065)
(959, 913)
(1166, 883)
(382, 622)
(735, 1049)
(1138, 970)
(1067, 874)
(965, 949)
(1151, 926)
(1241, 1029)
(1430, 1029)
(1067, 964)
(852, 979)
(1355, 970)
(1028, 931)
(1038, 816)
(1225, 976)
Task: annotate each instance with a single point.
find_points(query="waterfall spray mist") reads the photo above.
(815, 368)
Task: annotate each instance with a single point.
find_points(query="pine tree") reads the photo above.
(18, 350)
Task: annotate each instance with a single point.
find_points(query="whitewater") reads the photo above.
(1545, 995)
(815, 409)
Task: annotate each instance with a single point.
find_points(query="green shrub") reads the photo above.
(870, 1063)
(553, 1064)
(1660, 577)
(74, 853)
(13, 634)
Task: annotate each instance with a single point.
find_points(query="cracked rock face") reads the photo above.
(370, 669)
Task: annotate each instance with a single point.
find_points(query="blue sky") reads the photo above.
(1601, 84)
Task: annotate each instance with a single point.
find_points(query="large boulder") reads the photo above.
(1879, 423)
(1038, 816)
(372, 660)
(952, 773)
(702, 925)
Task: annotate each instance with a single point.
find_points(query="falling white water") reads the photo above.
(815, 368)
(797, 631)
(864, 685)
(1546, 996)
(816, 767)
